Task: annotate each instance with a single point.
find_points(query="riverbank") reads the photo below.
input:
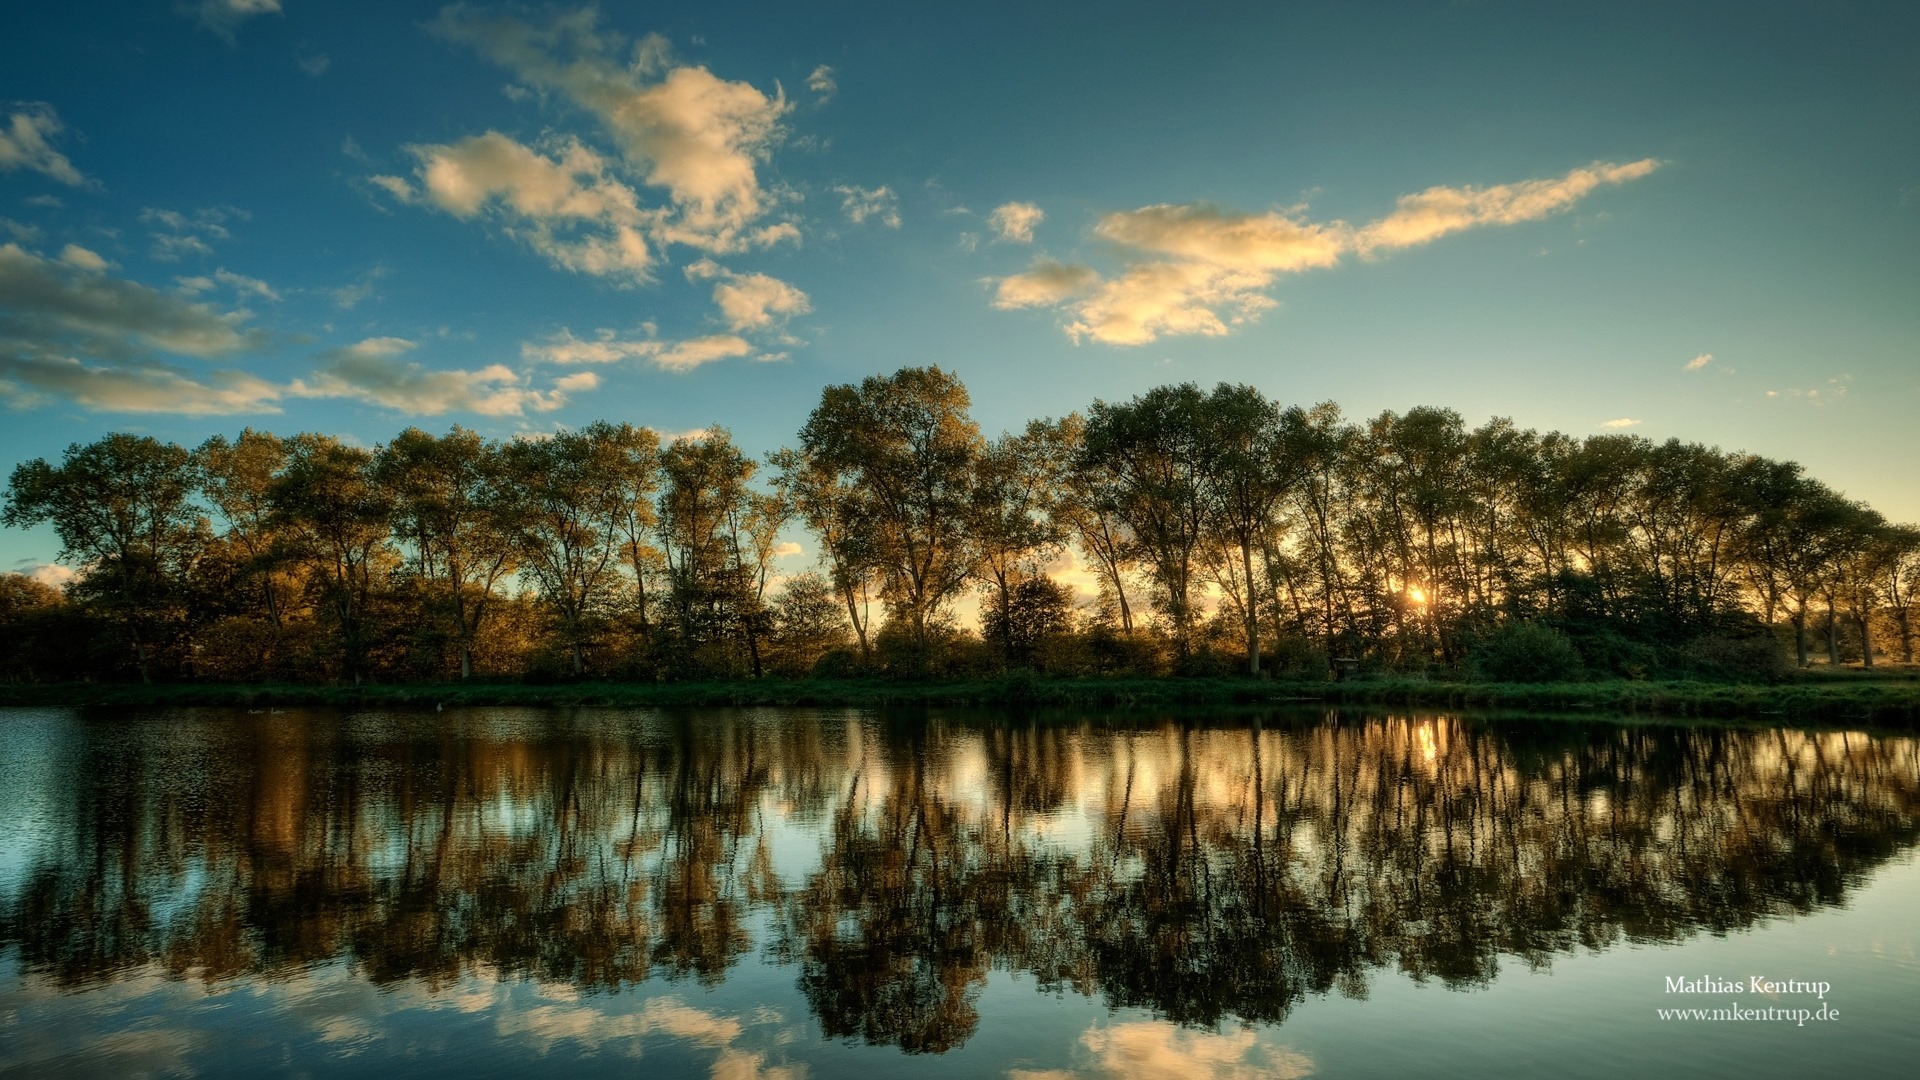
(1892, 701)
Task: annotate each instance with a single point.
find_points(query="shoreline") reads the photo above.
(1891, 701)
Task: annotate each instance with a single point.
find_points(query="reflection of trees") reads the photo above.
(1202, 873)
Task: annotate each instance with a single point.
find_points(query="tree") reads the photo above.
(122, 509)
(336, 518)
(565, 505)
(1244, 476)
(1145, 457)
(1011, 524)
(903, 446)
(448, 494)
(710, 526)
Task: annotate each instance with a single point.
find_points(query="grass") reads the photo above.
(1891, 700)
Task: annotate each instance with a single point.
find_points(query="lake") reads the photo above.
(788, 893)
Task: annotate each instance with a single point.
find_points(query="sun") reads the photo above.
(1416, 594)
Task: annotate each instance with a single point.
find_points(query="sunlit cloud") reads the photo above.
(698, 137)
(224, 17)
(1620, 422)
(1044, 284)
(26, 142)
(1015, 221)
(1834, 389)
(750, 301)
(566, 206)
(53, 575)
(1158, 1050)
(1699, 362)
(1198, 269)
(1437, 211)
(860, 204)
(83, 259)
(607, 347)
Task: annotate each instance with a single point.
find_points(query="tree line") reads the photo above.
(1222, 531)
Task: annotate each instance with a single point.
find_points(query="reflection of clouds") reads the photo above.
(158, 1025)
(1158, 1050)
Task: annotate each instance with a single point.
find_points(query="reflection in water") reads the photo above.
(1206, 873)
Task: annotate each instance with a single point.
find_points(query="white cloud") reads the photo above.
(578, 381)
(223, 17)
(1437, 211)
(822, 82)
(1195, 269)
(315, 64)
(568, 207)
(697, 136)
(969, 242)
(862, 203)
(687, 355)
(1834, 389)
(1269, 242)
(47, 202)
(750, 301)
(1045, 284)
(1699, 362)
(26, 142)
(1155, 300)
(1621, 422)
(607, 347)
(144, 386)
(370, 371)
(82, 259)
(1158, 1050)
(1014, 221)
(53, 574)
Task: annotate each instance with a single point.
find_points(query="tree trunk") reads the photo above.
(1866, 642)
(1253, 627)
(1800, 634)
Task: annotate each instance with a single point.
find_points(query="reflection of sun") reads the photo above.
(1416, 594)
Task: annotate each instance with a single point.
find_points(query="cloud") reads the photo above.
(751, 301)
(863, 203)
(315, 64)
(26, 142)
(687, 355)
(369, 371)
(687, 131)
(82, 259)
(1045, 284)
(1014, 221)
(1437, 211)
(822, 82)
(53, 574)
(607, 347)
(47, 202)
(1155, 300)
(144, 386)
(52, 308)
(1699, 362)
(1835, 389)
(1272, 241)
(1198, 269)
(1157, 1050)
(347, 297)
(176, 234)
(223, 17)
(1621, 422)
(567, 207)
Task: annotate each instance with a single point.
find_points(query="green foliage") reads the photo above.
(1523, 651)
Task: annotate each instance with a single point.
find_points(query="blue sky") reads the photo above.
(1681, 220)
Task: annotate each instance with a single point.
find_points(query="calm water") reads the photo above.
(780, 894)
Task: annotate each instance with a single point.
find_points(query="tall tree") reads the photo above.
(448, 497)
(122, 509)
(336, 518)
(565, 504)
(1244, 477)
(1146, 456)
(906, 445)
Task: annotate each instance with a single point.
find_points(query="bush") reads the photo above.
(1740, 656)
(1525, 652)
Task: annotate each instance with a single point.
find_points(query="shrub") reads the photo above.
(1522, 651)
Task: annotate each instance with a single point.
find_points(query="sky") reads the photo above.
(1698, 221)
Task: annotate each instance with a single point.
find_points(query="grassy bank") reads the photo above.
(1887, 701)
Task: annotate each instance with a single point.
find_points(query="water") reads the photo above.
(778, 894)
